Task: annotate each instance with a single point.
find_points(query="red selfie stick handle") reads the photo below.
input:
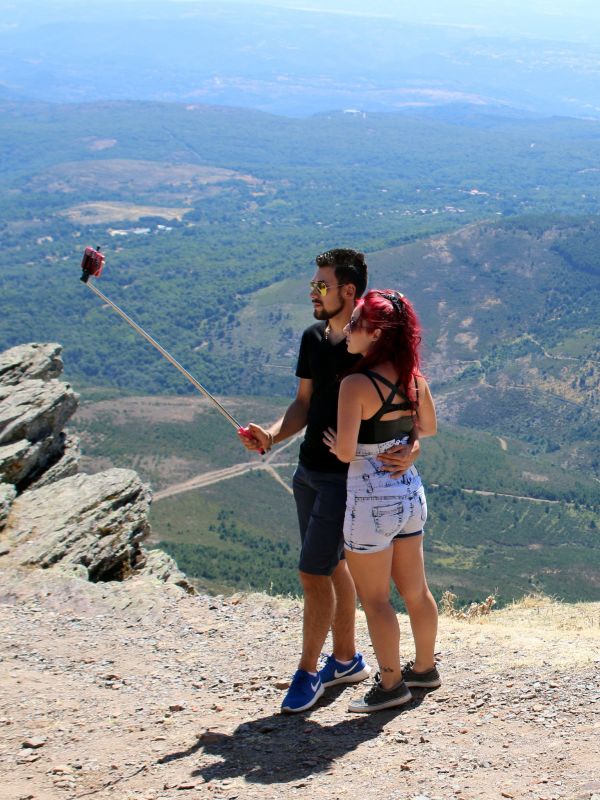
(247, 434)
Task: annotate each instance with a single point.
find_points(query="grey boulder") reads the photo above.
(32, 360)
(91, 525)
(160, 565)
(35, 409)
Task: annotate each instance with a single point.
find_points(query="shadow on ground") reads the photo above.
(283, 748)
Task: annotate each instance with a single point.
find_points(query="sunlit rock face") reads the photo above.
(34, 408)
(51, 516)
(95, 522)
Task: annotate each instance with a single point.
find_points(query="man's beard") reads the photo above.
(321, 314)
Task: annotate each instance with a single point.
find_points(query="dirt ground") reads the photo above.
(136, 690)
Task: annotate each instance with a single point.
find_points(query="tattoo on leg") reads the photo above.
(386, 669)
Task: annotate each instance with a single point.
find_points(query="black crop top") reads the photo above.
(374, 429)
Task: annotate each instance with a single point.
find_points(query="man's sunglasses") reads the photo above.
(322, 288)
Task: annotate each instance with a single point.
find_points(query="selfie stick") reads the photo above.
(91, 265)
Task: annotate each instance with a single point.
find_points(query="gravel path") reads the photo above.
(135, 690)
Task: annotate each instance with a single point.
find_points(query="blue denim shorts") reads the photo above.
(320, 503)
(380, 508)
(373, 521)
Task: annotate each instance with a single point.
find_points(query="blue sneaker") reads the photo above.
(333, 672)
(305, 689)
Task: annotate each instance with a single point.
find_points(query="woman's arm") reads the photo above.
(426, 418)
(350, 409)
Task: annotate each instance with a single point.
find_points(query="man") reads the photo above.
(320, 482)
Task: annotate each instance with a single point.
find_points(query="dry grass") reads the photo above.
(536, 629)
(473, 611)
(547, 611)
(135, 175)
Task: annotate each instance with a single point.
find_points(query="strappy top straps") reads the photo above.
(386, 403)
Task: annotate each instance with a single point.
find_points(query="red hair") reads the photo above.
(400, 337)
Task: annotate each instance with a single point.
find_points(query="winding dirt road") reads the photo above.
(208, 478)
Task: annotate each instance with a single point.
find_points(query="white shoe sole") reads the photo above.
(357, 677)
(359, 708)
(423, 685)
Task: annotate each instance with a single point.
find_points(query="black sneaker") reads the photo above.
(425, 680)
(378, 698)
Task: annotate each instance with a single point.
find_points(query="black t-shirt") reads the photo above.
(323, 363)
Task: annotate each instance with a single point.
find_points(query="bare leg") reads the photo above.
(319, 604)
(344, 616)
(408, 573)
(371, 573)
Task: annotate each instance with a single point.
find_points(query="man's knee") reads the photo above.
(341, 571)
(314, 583)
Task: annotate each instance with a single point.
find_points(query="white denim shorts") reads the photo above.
(380, 508)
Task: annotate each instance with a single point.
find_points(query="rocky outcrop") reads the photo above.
(24, 463)
(34, 408)
(90, 524)
(67, 464)
(160, 565)
(27, 361)
(51, 517)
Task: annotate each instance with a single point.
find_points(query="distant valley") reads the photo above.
(205, 213)
(512, 477)
(210, 219)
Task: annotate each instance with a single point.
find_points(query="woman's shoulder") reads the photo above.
(356, 383)
(423, 393)
(355, 380)
(385, 373)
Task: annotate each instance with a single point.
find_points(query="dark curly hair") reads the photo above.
(400, 337)
(349, 265)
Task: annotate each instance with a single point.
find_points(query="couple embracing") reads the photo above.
(360, 502)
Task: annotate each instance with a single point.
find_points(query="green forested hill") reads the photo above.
(511, 315)
(198, 208)
(512, 481)
(210, 219)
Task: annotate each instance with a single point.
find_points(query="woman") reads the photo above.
(380, 403)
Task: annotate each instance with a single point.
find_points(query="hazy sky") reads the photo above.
(529, 16)
(573, 20)
(538, 55)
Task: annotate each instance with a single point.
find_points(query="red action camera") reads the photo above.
(91, 263)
